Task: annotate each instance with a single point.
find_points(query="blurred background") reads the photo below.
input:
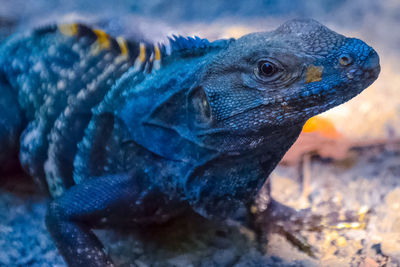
(346, 163)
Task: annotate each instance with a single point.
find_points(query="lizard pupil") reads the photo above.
(266, 68)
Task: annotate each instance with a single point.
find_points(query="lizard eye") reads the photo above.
(266, 68)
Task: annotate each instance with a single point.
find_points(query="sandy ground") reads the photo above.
(358, 199)
(186, 241)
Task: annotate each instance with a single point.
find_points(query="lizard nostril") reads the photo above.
(345, 60)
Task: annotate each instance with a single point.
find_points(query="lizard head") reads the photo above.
(282, 78)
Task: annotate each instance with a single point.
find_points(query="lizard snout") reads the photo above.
(372, 65)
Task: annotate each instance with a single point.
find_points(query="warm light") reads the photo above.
(322, 126)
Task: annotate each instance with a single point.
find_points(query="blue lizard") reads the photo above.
(127, 131)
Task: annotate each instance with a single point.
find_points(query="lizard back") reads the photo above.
(59, 73)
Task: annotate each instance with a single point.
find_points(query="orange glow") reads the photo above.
(322, 126)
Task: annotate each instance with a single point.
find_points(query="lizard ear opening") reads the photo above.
(199, 113)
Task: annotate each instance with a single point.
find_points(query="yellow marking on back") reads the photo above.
(102, 42)
(123, 46)
(157, 58)
(141, 58)
(314, 74)
(142, 53)
(68, 29)
(157, 53)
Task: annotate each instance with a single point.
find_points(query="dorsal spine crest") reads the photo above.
(145, 56)
(191, 46)
(137, 51)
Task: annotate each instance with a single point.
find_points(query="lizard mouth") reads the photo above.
(366, 73)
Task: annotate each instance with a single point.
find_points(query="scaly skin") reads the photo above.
(127, 131)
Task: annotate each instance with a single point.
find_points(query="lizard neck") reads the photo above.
(227, 182)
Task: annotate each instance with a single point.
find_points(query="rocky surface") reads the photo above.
(359, 196)
(187, 241)
(358, 199)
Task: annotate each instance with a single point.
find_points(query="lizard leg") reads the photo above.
(103, 201)
(270, 216)
(71, 217)
(289, 223)
(11, 122)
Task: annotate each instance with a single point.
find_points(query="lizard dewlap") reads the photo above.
(129, 131)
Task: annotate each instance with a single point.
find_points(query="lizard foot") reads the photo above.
(293, 224)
